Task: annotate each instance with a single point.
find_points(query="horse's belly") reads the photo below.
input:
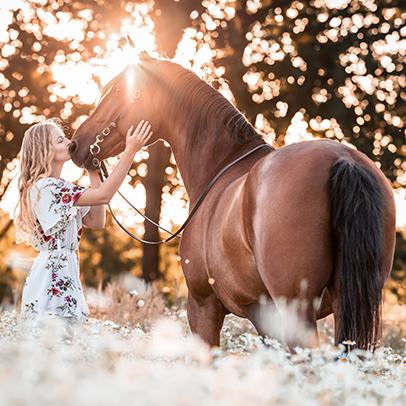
(236, 282)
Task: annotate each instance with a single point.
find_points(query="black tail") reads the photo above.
(356, 207)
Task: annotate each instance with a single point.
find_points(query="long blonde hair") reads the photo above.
(36, 156)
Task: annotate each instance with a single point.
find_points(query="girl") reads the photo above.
(50, 216)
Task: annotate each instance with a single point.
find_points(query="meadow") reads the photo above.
(156, 361)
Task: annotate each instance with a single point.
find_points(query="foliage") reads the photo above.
(131, 309)
(335, 68)
(311, 68)
(37, 49)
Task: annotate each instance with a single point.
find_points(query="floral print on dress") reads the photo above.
(53, 286)
(69, 306)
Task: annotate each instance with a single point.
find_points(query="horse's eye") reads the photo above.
(118, 89)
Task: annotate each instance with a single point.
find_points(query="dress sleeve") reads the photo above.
(55, 209)
(84, 210)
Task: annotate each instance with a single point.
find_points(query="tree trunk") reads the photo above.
(157, 162)
(170, 19)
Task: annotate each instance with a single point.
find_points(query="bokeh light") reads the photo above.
(79, 73)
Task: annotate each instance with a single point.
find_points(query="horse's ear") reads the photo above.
(130, 42)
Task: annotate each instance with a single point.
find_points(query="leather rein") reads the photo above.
(103, 173)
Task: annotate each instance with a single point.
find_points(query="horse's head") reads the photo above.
(126, 100)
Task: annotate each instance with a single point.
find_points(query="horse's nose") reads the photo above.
(73, 147)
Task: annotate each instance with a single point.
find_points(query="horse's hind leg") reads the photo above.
(295, 266)
(266, 319)
(295, 319)
(206, 318)
(298, 323)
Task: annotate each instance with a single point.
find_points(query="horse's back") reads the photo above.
(312, 161)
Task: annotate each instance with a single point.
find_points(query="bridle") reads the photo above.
(95, 148)
(102, 171)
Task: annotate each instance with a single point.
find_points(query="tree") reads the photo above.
(154, 182)
(336, 72)
(30, 93)
(170, 19)
(338, 69)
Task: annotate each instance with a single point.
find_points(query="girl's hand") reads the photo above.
(100, 194)
(137, 139)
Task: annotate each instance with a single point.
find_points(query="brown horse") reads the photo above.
(308, 227)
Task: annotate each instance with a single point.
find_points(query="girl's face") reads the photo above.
(60, 144)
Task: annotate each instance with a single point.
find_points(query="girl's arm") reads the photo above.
(106, 190)
(96, 217)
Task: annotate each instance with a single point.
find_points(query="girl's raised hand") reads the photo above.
(137, 139)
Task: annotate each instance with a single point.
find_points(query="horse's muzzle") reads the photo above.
(78, 157)
(73, 148)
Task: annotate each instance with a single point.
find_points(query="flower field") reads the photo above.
(109, 364)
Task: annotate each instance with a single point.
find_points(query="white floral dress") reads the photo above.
(53, 284)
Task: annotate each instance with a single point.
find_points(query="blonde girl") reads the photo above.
(50, 214)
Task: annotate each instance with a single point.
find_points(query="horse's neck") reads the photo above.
(211, 149)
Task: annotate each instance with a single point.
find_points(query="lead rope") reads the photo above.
(103, 171)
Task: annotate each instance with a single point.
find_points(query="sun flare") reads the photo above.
(81, 78)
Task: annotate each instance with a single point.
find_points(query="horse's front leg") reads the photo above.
(206, 318)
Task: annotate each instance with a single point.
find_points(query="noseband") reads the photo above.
(95, 148)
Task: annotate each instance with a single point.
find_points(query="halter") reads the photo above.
(95, 148)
